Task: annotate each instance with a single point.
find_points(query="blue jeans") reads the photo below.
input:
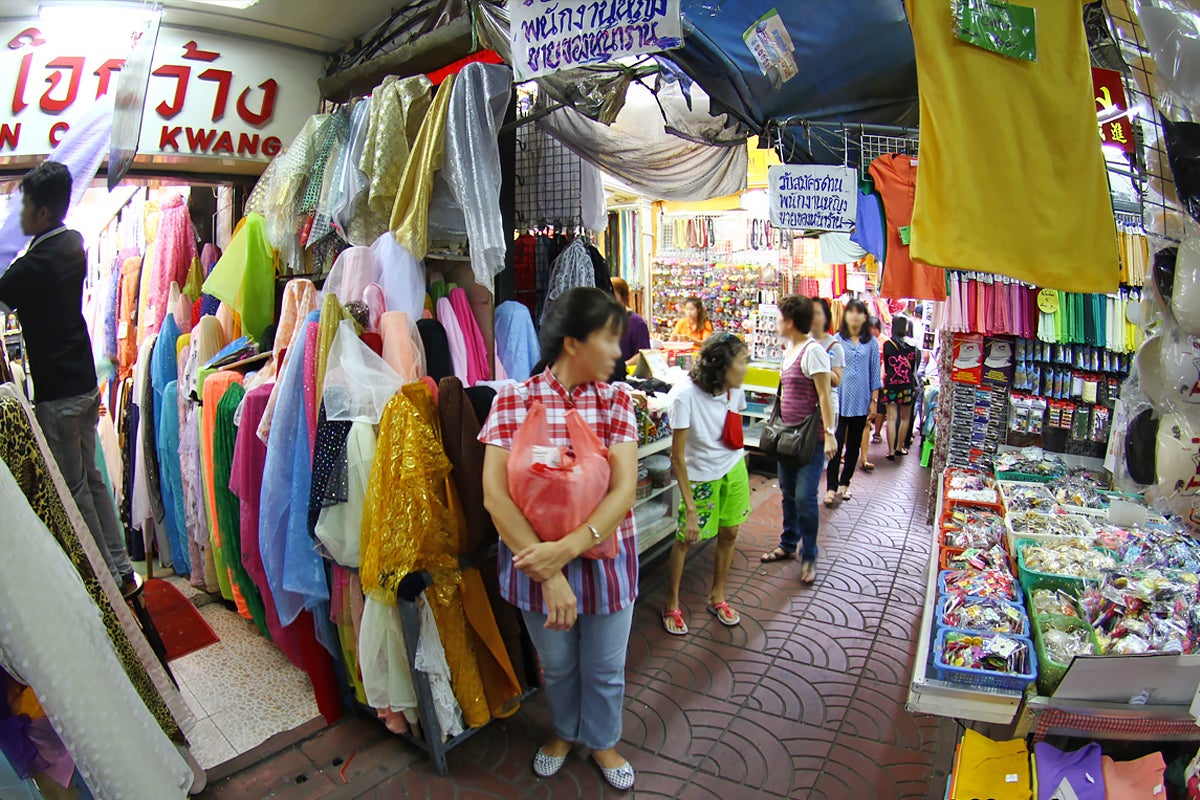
(801, 515)
(584, 672)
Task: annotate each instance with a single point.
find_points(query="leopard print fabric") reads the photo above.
(19, 449)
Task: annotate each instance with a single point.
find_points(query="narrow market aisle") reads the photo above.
(242, 689)
(804, 700)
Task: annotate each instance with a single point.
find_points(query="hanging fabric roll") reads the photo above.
(50, 621)
(244, 278)
(24, 450)
(478, 366)
(410, 214)
(516, 339)
(174, 251)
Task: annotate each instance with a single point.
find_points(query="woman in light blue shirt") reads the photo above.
(858, 393)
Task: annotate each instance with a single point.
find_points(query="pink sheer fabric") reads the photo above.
(455, 338)
(174, 250)
(376, 302)
(478, 368)
(400, 346)
(311, 335)
(299, 299)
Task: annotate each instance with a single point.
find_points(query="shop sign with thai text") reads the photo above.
(552, 35)
(208, 95)
(813, 197)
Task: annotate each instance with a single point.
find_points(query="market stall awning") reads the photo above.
(854, 60)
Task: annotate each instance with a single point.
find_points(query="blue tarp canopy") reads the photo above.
(854, 59)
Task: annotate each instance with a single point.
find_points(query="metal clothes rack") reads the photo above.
(433, 742)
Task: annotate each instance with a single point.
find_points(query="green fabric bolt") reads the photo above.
(229, 513)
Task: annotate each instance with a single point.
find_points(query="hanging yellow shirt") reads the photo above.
(1012, 177)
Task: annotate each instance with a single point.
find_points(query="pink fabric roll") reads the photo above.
(454, 337)
(354, 270)
(478, 368)
(376, 302)
(174, 250)
(210, 254)
(311, 335)
(231, 326)
(299, 299)
(400, 349)
(183, 314)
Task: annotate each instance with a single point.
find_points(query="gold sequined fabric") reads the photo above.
(410, 523)
(19, 449)
(398, 107)
(410, 214)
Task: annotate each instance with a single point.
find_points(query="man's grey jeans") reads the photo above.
(70, 428)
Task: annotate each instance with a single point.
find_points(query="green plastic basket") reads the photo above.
(1046, 580)
(1025, 477)
(1050, 672)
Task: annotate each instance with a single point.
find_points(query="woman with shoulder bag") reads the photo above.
(804, 390)
(577, 607)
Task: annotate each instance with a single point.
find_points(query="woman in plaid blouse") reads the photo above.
(578, 611)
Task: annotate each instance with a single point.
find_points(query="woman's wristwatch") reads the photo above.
(831, 432)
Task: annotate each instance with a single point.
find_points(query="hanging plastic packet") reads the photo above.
(1005, 28)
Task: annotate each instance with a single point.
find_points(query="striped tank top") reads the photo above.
(798, 398)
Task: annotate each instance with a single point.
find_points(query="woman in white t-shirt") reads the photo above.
(710, 465)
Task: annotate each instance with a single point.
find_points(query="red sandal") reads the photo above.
(676, 616)
(724, 614)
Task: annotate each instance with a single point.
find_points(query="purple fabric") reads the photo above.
(636, 338)
(210, 254)
(81, 150)
(478, 368)
(1082, 769)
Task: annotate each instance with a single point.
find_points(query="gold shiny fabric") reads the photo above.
(411, 522)
(410, 213)
(331, 317)
(398, 107)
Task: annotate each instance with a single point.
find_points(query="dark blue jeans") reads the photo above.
(801, 515)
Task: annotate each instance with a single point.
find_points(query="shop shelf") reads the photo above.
(654, 493)
(657, 446)
(982, 678)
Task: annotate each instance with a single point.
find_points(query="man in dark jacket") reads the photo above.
(45, 287)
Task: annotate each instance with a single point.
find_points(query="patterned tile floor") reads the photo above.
(804, 700)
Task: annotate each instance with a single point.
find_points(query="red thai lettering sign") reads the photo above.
(208, 95)
(1112, 108)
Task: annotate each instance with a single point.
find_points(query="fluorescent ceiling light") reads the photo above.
(76, 17)
(238, 5)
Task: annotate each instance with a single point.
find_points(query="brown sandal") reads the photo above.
(777, 554)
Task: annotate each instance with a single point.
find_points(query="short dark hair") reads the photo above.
(49, 186)
(577, 314)
(900, 328)
(799, 310)
(716, 355)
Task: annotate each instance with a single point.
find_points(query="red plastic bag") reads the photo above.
(556, 488)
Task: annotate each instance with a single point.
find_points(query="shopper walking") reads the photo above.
(578, 610)
(899, 369)
(857, 394)
(694, 326)
(710, 466)
(804, 390)
(637, 333)
(822, 334)
(45, 287)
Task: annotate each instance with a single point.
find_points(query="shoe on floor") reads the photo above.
(545, 766)
(620, 778)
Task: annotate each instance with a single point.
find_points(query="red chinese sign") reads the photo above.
(1116, 128)
(208, 94)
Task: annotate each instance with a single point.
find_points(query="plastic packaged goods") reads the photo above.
(1148, 611)
(1075, 558)
(982, 614)
(991, 583)
(1046, 602)
(1033, 522)
(1029, 497)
